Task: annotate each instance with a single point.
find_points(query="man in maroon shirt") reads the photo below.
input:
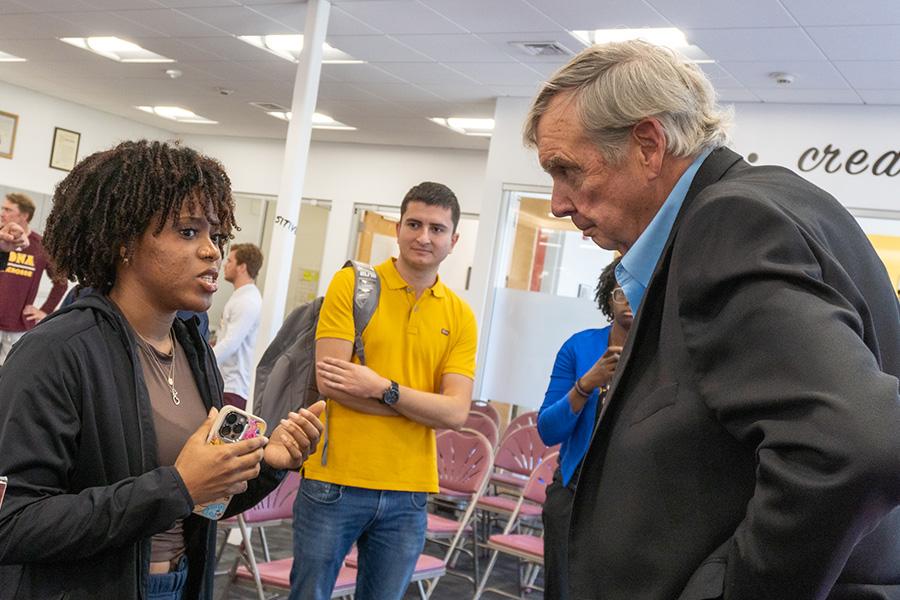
(20, 280)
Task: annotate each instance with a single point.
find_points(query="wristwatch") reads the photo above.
(391, 394)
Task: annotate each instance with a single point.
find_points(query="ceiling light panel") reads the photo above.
(5, 57)
(669, 37)
(116, 49)
(176, 113)
(466, 125)
(289, 46)
(319, 120)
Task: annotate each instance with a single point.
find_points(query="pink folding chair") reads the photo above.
(274, 509)
(277, 574)
(484, 425)
(523, 420)
(519, 453)
(464, 463)
(488, 409)
(525, 547)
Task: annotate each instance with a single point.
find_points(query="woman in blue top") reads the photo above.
(581, 374)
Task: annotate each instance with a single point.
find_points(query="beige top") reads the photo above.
(174, 424)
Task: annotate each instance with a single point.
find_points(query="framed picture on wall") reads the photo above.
(8, 124)
(64, 153)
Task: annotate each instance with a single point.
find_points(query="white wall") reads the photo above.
(38, 115)
(348, 174)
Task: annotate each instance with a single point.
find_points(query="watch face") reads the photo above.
(392, 394)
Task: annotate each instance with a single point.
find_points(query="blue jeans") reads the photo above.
(168, 586)
(388, 528)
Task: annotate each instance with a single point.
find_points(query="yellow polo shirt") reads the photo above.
(414, 342)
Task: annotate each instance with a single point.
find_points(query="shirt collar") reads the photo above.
(395, 281)
(636, 268)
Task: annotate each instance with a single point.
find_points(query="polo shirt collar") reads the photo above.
(394, 281)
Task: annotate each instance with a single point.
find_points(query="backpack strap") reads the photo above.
(366, 291)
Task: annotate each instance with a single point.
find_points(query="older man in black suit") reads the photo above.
(750, 444)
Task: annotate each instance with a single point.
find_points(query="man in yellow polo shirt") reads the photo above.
(381, 460)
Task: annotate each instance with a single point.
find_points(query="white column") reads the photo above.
(296, 153)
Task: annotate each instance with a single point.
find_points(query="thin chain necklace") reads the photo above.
(170, 376)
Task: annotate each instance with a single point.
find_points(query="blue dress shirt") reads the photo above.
(636, 268)
(557, 424)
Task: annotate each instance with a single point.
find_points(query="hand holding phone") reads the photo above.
(216, 464)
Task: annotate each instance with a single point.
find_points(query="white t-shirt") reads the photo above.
(236, 338)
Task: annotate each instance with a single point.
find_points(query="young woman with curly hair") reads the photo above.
(106, 405)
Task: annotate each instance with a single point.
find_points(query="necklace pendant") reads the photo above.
(170, 381)
(175, 397)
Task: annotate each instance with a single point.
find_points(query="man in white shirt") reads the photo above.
(236, 336)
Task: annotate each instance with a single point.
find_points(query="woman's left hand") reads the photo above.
(295, 438)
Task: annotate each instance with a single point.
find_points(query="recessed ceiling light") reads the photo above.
(116, 49)
(319, 121)
(661, 36)
(176, 113)
(4, 57)
(289, 46)
(466, 126)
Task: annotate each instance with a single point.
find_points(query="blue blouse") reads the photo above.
(557, 424)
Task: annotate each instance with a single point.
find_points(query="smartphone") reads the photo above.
(2, 489)
(231, 425)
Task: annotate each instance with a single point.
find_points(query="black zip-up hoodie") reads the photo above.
(77, 441)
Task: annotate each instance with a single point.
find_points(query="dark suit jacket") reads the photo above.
(751, 445)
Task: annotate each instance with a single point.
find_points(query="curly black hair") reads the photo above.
(605, 286)
(112, 197)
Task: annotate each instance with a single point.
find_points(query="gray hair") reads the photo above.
(616, 85)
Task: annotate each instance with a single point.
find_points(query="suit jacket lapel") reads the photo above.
(713, 168)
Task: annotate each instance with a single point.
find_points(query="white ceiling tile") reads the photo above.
(755, 44)
(701, 14)
(859, 12)
(493, 16)
(790, 96)
(818, 75)
(611, 14)
(198, 3)
(336, 90)
(426, 73)
(170, 22)
(239, 20)
(294, 16)
(517, 91)
(719, 76)
(728, 95)
(400, 16)
(458, 48)
(458, 93)
(224, 70)
(478, 108)
(228, 47)
(42, 6)
(498, 73)
(38, 50)
(36, 27)
(179, 50)
(359, 73)
(83, 24)
(880, 96)
(874, 42)
(376, 48)
(874, 75)
(399, 91)
(122, 4)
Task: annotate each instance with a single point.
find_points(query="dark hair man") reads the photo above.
(379, 463)
(21, 277)
(237, 332)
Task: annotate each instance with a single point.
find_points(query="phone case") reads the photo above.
(231, 426)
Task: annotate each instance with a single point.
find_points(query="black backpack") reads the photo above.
(286, 373)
